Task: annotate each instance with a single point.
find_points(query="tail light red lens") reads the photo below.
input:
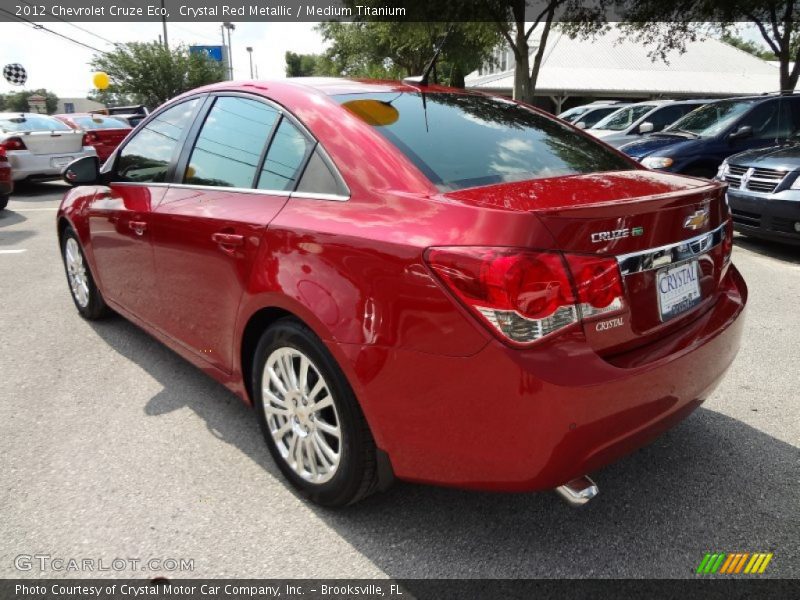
(524, 296)
(13, 143)
(90, 138)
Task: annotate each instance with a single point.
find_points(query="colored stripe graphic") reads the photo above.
(734, 563)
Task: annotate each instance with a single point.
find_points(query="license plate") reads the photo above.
(59, 162)
(678, 289)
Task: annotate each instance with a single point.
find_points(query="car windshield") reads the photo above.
(711, 119)
(464, 140)
(31, 123)
(573, 113)
(624, 117)
(98, 122)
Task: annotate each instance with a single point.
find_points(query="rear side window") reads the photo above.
(147, 156)
(285, 158)
(461, 140)
(230, 143)
(318, 178)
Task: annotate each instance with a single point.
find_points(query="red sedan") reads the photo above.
(102, 132)
(412, 281)
(6, 179)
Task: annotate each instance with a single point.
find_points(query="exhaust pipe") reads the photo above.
(578, 491)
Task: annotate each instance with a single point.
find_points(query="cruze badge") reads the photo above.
(616, 234)
(696, 220)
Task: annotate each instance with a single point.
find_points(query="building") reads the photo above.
(612, 66)
(77, 105)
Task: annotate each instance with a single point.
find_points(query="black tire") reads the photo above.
(3, 202)
(356, 474)
(95, 307)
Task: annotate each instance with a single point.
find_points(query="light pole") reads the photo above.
(230, 27)
(250, 52)
(164, 24)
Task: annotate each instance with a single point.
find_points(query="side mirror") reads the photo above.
(745, 131)
(83, 171)
(646, 127)
(580, 125)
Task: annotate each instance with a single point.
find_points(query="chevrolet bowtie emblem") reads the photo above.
(696, 220)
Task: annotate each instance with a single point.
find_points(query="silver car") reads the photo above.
(630, 122)
(39, 147)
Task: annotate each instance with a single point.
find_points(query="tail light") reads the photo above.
(525, 296)
(90, 138)
(3, 156)
(13, 143)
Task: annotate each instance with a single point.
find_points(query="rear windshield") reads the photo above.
(461, 140)
(624, 117)
(711, 119)
(32, 123)
(98, 122)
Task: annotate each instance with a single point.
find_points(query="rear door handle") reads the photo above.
(228, 239)
(138, 227)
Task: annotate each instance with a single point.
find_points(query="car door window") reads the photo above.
(665, 116)
(146, 158)
(230, 143)
(285, 158)
(770, 120)
(319, 179)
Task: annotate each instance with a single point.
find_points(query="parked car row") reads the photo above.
(36, 147)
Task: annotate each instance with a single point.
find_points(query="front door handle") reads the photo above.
(138, 227)
(228, 240)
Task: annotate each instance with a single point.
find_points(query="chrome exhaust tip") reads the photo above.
(578, 491)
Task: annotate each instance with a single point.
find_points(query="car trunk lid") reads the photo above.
(664, 231)
(53, 142)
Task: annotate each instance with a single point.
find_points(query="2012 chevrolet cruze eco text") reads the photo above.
(412, 281)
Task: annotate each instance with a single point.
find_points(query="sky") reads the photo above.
(63, 67)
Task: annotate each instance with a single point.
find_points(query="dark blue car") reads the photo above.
(699, 142)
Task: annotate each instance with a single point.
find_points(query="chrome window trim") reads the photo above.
(670, 254)
(319, 196)
(281, 193)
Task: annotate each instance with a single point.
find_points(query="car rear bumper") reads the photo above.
(513, 420)
(26, 165)
(769, 217)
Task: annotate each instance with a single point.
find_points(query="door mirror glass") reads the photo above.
(83, 171)
(646, 127)
(745, 131)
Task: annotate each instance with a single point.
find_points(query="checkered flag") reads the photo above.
(15, 74)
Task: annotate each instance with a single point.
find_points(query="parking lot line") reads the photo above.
(14, 251)
(48, 208)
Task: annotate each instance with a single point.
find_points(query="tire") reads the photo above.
(3, 202)
(295, 427)
(87, 298)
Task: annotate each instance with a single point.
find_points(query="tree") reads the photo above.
(669, 25)
(154, 72)
(306, 65)
(18, 101)
(392, 50)
(746, 45)
(110, 97)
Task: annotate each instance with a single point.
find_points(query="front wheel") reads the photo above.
(85, 294)
(310, 418)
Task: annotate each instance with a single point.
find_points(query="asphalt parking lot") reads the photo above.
(112, 446)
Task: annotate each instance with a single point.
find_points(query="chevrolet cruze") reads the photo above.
(409, 281)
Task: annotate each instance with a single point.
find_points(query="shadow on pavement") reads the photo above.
(784, 252)
(712, 484)
(34, 191)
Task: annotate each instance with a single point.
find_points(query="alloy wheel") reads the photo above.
(76, 272)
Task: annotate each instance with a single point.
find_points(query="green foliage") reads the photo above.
(111, 98)
(307, 65)
(392, 50)
(18, 101)
(748, 46)
(155, 73)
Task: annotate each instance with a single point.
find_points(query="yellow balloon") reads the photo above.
(101, 80)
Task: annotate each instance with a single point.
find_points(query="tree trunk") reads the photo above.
(521, 49)
(537, 61)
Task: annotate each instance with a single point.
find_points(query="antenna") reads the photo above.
(423, 79)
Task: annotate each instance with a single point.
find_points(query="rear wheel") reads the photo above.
(3, 202)
(85, 294)
(310, 418)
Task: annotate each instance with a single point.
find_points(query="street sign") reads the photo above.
(212, 52)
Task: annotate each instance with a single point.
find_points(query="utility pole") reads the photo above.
(229, 26)
(250, 52)
(164, 24)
